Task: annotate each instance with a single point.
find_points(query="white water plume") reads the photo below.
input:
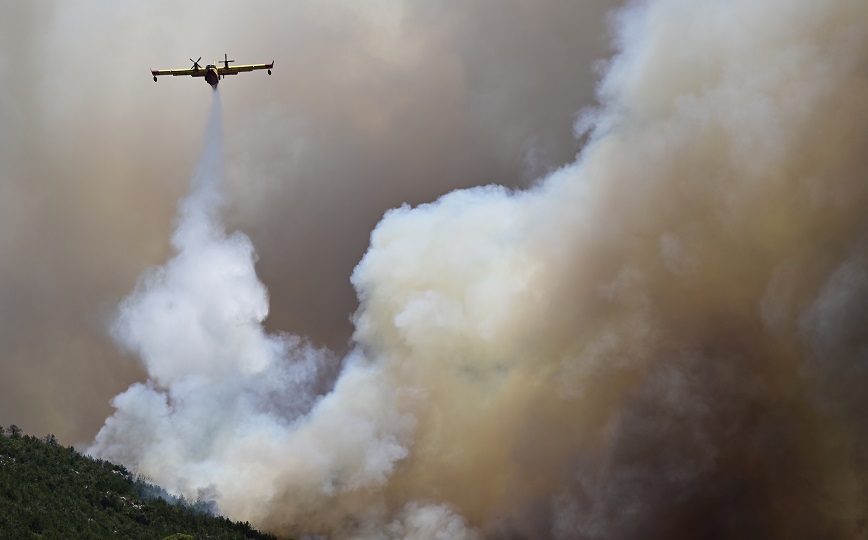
(229, 410)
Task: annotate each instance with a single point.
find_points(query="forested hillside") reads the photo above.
(53, 492)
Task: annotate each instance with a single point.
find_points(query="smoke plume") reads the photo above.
(663, 339)
(370, 106)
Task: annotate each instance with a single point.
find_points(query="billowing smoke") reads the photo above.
(223, 392)
(664, 339)
(371, 105)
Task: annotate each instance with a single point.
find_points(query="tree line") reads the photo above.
(53, 492)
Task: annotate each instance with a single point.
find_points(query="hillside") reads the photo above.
(53, 492)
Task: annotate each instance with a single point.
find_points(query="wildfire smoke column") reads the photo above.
(664, 339)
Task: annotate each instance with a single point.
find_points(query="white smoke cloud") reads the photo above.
(229, 408)
(614, 353)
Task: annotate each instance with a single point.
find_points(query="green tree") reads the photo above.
(53, 492)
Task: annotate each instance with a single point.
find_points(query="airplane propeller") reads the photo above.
(226, 61)
(196, 63)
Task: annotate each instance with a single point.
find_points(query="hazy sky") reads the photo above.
(369, 106)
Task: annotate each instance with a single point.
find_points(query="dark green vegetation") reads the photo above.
(53, 492)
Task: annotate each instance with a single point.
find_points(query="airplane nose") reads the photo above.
(212, 78)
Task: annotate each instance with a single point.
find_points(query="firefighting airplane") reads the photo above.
(212, 72)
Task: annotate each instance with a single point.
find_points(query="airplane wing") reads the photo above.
(233, 70)
(176, 72)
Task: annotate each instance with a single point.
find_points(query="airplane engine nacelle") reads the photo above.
(155, 78)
